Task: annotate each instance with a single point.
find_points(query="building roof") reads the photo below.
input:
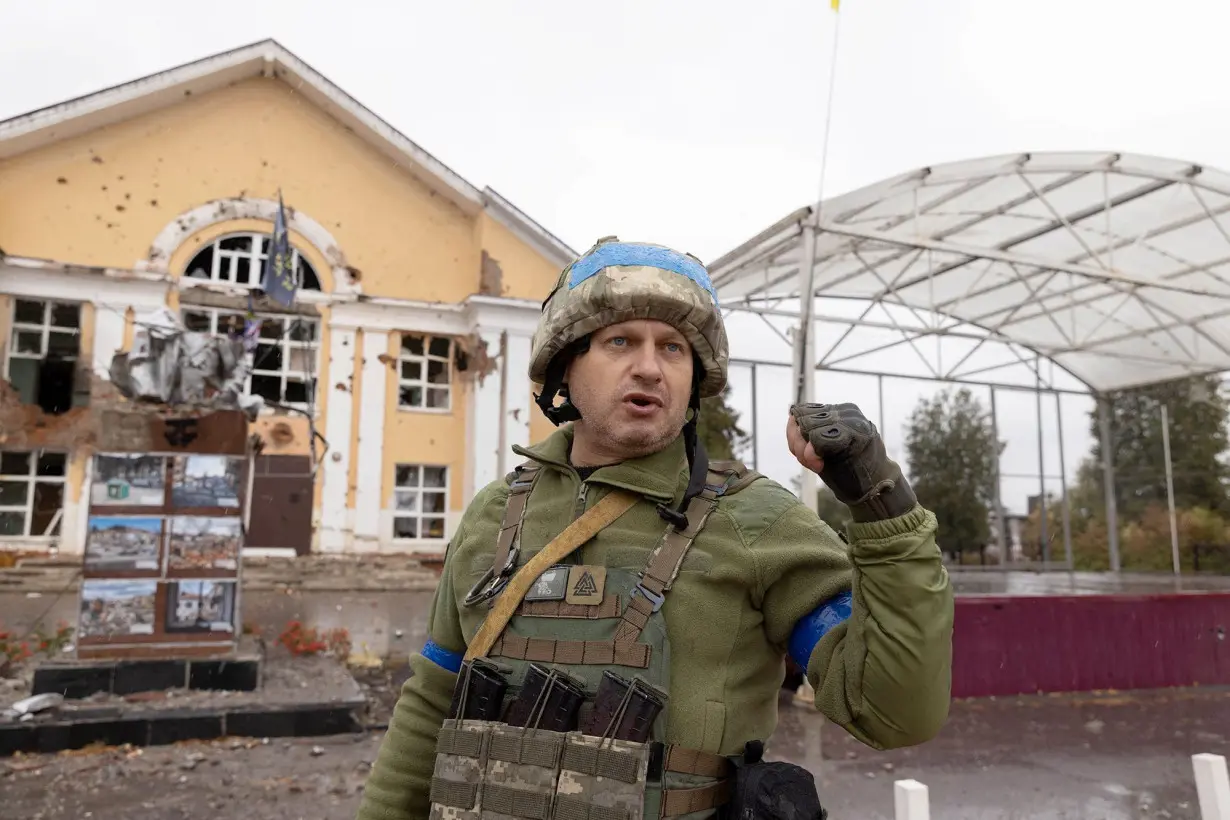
(269, 58)
(1116, 267)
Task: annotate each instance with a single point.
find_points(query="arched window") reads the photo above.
(284, 365)
(239, 259)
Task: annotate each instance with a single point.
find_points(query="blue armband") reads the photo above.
(808, 632)
(442, 657)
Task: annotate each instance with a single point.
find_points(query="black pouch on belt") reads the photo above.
(771, 791)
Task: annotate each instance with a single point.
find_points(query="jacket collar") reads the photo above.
(662, 476)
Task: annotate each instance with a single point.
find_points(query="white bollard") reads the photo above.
(910, 801)
(1212, 786)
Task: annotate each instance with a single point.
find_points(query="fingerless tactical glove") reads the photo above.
(856, 466)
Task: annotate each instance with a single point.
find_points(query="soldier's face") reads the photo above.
(632, 388)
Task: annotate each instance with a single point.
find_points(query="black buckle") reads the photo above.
(487, 587)
(654, 598)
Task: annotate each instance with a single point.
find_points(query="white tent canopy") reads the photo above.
(1115, 267)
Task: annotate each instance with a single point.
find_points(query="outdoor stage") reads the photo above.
(1024, 632)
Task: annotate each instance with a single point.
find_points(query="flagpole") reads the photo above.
(828, 109)
(805, 344)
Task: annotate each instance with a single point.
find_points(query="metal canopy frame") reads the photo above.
(1114, 267)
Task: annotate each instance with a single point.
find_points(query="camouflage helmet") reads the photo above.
(617, 282)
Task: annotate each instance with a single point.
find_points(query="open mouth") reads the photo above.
(642, 401)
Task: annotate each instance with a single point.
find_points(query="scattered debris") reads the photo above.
(169, 364)
(192, 761)
(38, 703)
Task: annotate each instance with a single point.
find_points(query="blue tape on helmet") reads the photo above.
(442, 657)
(619, 253)
(808, 632)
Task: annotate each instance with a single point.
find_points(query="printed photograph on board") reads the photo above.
(206, 481)
(199, 542)
(116, 608)
(201, 606)
(137, 481)
(122, 544)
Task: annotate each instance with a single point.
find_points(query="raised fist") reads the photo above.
(839, 444)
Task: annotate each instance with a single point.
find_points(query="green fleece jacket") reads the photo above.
(762, 563)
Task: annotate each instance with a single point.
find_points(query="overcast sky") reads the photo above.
(698, 124)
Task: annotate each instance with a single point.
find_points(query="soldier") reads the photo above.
(609, 633)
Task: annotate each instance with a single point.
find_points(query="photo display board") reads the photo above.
(162, 555)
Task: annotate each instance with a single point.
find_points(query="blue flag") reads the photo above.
(279, 277)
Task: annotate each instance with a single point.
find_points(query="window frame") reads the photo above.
(44, 330)
(284, 342)
(32, 478)
(418, 514)
(424, 359)
(256, 256)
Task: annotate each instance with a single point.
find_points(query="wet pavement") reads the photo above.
(1115, 756)
(1106, 756)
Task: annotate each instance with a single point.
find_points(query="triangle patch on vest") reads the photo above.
(586, 584)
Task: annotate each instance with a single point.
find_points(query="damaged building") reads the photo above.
(381, 397)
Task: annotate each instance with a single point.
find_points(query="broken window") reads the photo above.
(420, 501)
(43, 349)
(284, 364)
(239, 259)
(31, 492)
(425, 372)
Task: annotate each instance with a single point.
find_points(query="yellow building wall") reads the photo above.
(101, 198)
(435, 438)
(527, 274)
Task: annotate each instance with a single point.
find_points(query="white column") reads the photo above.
(334, 535)
(370, 478)
(500, 407)
(518, 400)
(108, 336)
(486, 407)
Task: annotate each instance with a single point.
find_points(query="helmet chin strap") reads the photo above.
(553, 385)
